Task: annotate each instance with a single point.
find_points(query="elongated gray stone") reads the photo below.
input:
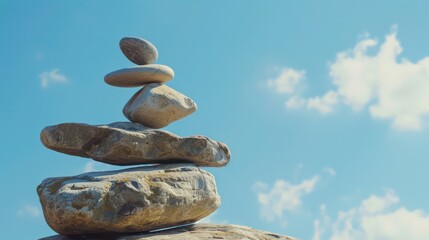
(127, 143)
(191, 232)
(138, 50)
(140, 75)
(131, 200)
(157, 105)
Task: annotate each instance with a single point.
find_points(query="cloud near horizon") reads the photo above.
(374, 219)
(284, 196)
(49, 77)
(379, 83)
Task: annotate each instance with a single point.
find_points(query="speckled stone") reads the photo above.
(127, 201)
(125, 143)
(157, 105)
(140, 75)
(138, 50)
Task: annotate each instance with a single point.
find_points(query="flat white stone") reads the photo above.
(140, 75)
(157, 105)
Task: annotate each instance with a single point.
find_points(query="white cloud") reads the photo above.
(287, 81)
(323, 104)
(295, 102)
(400, 224)
(29, 210)
(330, 171)
(374, 219)
(53, 76)
(320, 224)
(283, 196)
(381, 83)
(391, 89)
(376, 204)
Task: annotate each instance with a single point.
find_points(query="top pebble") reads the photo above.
(138, 50)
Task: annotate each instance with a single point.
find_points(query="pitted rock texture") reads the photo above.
(139, 75)
(157, 105)
(125, 143)
(191, 232)
(138, 50)
(131, 200)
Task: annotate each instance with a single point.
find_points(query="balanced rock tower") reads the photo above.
(137, 203)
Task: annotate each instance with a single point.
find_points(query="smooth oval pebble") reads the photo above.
(138, 50)
(140, 75)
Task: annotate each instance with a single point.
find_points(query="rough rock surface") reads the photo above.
(125, 143)
(191, 232)
(157, 105)
(138, 50)
(140, 75)
(130, 200)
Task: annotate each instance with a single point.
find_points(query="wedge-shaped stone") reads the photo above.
(140, 75)
(191, 232)
(157, 105)
(125, 143)
(130, 200)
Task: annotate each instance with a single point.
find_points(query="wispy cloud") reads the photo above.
(29, 211)
(49, 77)
(92, 166)
(282, 196)
(40, 56)
(286, 81)
(320, 224)
(89, 167)
(387, 87)
(375, 218)
(330, 171)
(324, 104)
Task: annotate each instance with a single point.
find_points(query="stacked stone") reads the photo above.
(131, 203)
(173, 192)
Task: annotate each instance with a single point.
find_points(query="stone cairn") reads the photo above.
(172, 191)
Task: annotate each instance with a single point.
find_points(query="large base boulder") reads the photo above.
(191, 232)
(130, 200)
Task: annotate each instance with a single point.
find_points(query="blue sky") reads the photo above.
(324, 105)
